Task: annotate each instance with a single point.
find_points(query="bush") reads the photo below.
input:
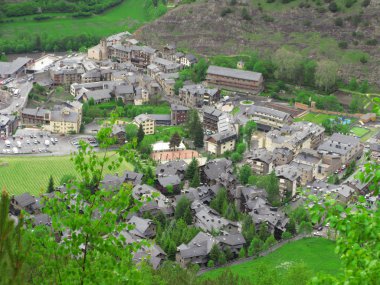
(333, 7)
(210, 264)
(371, 42)
(366, 3)
(363, 59)
(42, 18)
(343, 45)
(350, 3)
(286, 235)
(338, 22)
(268, 19)
(271, 1)
(82, 15)
(225, 11)
(245, 14)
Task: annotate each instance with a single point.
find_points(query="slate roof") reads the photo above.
(232, 239)
(256, 110)
(165, 181)
(9, 68)
(171, 168)
(339, 144)
(234, 73)
(214, 168)
(141, 226)
(176, 107)
(25, 200)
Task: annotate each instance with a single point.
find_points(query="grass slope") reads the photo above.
(31, 174)
(127, 16)
(316, 253)
(315, 118)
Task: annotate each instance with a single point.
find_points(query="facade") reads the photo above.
(261, 161)
(337, 151)
(221, 142)
(234, 79)
(64, 121)
(35, 117)
(289, 178)
(188, 60)
(8, 125)
(267, 118)
(178, 114)
(146, 122)
(196, 95)
(215, 120)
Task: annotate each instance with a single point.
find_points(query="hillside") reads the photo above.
(316, 254)
(349, 36)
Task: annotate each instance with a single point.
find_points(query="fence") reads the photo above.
(261, 254)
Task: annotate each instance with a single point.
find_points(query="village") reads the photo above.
(245, 164)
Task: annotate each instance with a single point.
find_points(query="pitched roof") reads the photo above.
(235, 73)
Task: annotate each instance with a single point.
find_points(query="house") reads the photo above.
(8, 125)
(282, 155)
(161, 119)
(215, 120)
(41, 219)
(209, 220)
(146, 122)
(214, 169)
(143, 228)
(261, 161)
(234, 79)
(219, 143)
(142, 56)
(274, 218)
(165, 65)
(24, 202)
(307, 162)
(196, 95)
(188, 60)
(114, 182)
(35, 117)
(295, 137)
(153, 254)
(337, 151)
(267, 118)
(118, 132)
(203, 194)
(196, 251)
(235, 242)
(178, 114)
(153, 201)
(125, 93)
(99, 96)
(289, 178)
(343, 193)
(170, 184)
(12, 69)
(64, 120)
(176, 167)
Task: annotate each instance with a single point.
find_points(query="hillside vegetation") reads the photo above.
(345, 32)
(68, 30)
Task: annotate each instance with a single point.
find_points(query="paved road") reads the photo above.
(18, 102)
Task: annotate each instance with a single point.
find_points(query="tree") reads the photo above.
(255, 246)
(183, 209)
(215, 253)
(196, 180)
(175, 140)
(131, 131)
(198, 138)
(220, 201)
(50, 188)
(244, 173)
(305, 227)
(326, 74)
(249, 128)
(242, 253)
(357, 104)
(140, 135)
(12, 248)
(288, 64)
(191, 169)
(236, 157)
(240, 148)
(269, 242)
(248, 228)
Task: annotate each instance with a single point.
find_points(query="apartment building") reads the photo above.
(221, 142)
(146, 122)
(267, 118)
(178, 114)
(234, 79)
(261, 161)
(197, 95)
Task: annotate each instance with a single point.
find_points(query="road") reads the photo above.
(20, 101)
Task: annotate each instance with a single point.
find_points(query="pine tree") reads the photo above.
(196, 180)
(198, 135)
(242, 253)
(50, 188)
(191, 169)
(140, 135)
(215, 253)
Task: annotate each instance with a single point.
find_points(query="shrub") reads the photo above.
(271, 1)
(343, 45)
(371, 42)
(268, 18)
(338, 22)
(41, 18)
(82, 15)
(350, 3)
(365, 3)
(363, 59)
(245, 14)
(225, 11)
(333, 7)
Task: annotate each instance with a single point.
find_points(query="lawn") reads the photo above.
(127, 16)
(359, 132)
(31, 174)
(316, 253)
(315, 118)
(164, 133)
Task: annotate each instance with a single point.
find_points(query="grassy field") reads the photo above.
(127, 16)
(316, 253)
(359, 132)
(315, 118)
(31, 174)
